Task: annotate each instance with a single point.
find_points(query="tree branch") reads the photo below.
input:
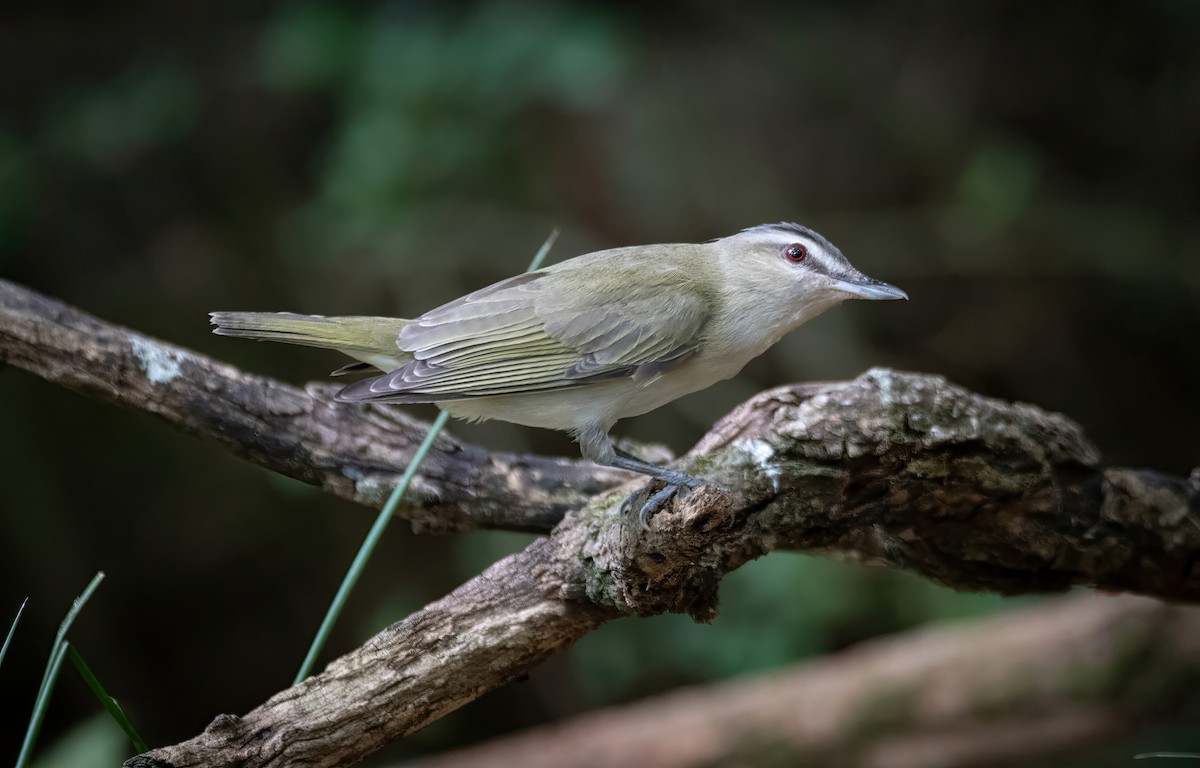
(354, 453)
(894, 468)
(486, 633)
(1014, 689)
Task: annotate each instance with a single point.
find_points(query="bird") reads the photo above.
(578, 345)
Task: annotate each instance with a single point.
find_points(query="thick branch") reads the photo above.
(1015, 689)
(484, 634)
(912, 471)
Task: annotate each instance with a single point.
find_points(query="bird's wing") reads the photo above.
(523, 335)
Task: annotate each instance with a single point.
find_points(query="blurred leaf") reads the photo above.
(998, 184)
(92, 742)
(480, 549)
(432, 107)
(309, 45)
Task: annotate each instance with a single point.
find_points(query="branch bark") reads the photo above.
(892, 468)
(1016, 689)
(486, 633)
(355, 453)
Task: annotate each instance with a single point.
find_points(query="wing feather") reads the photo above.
(528, 334)
(532, 340)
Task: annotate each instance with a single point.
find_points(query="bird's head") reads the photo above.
(794, 260)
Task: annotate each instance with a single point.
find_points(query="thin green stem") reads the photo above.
(12, 630)
(367, 548)
(543, 252)
(385, 516)
(108, 702)
(57, 652)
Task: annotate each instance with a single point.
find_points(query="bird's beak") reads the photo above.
(864, 287)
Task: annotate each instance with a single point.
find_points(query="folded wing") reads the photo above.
(527, 334)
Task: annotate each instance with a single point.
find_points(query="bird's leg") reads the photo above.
(596, 445)
(622, 460)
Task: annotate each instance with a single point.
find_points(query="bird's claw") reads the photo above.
(656, 502)
(659, 498)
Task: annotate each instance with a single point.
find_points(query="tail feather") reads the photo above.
(369, 339)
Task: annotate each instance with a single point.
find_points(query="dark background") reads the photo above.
(1028, 172)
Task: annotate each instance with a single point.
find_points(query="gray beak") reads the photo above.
(864, 287)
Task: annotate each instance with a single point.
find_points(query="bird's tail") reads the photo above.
(369, 339)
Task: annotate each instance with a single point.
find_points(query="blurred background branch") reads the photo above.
(1072, 676)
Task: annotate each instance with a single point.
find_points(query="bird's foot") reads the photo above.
(676, 483)
(657, 501)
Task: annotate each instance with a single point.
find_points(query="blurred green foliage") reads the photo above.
(1026, 172)
(997, 186)
(773, 611)
(430, 105)
(104, 124)
(94, 741)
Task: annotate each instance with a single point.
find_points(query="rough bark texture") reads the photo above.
(1017, 689)
(355, 453)
(894, 468)
(484, 634)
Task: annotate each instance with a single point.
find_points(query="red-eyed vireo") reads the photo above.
(581, 344)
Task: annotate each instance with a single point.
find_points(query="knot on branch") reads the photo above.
(674, 567)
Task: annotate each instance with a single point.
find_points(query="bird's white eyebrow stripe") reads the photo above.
(788, 229)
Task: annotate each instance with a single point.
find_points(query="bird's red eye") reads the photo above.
(795, 253)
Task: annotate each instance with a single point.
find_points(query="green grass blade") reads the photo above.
(58, 651)
(365, 551)
(385, 516)
(12, 630)
(543, 252)
(108, 702)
